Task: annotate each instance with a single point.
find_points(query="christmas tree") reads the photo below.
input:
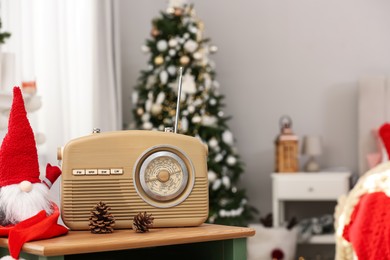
(177, 41)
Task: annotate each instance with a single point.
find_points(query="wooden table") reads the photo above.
(204, 242)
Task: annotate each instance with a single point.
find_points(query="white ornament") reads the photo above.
(196, 119)
(212, 176)
(211, 220)
(147, 125)
(177, 3)
(222, 213)
(234, 189)
(163, 77)
(197, 55)
(172, 43)
(198, 102)
(221, 113)
(213, 101)
(213, 142)
(217, 184)
(207, 80)
(191, 109)
(184, 124)
(218, 158)
(161, 127)
(186, 36)
(171, 70)
(213, 49)
(181, 40)
(173, 85)
(209, 120)
(162, 45)
(145, 49)
(150, 81)
(184, 112)
(231, 160)
(134, 98)
(172, 52)
(226, 182)
(148, 105)
(145, 117)
(193, 29)
(227, 137)
(191, 46)
(156, 109)
(160, 98)
(188, 84)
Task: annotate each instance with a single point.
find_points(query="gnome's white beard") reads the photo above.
(18, 205)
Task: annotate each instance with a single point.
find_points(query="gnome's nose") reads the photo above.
(25, 186)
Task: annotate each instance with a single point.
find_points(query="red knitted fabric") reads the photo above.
(52, 174)
(369, 229)
(37, 227)
(18, 152)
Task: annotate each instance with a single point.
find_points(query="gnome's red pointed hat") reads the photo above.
(18, 152)
(19, 162)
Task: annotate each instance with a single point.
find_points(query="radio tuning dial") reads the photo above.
(163, 176)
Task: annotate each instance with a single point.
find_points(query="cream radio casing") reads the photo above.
(135, 171)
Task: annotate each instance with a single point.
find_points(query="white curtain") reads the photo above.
(71, 49)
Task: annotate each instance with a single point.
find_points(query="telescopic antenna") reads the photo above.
(178, 99)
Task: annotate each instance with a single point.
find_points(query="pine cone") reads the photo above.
(100, 220)
(142, 222)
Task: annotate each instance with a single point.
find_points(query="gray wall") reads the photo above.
(302, 58)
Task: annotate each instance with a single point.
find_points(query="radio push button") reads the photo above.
(104, 171)
(117, 171)
(78, 172)
(91, 172)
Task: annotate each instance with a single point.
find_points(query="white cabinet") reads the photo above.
(321, 186)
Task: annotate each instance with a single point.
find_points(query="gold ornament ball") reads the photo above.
(156, 109)
(178, 11)
(158, 60)
(172, 112)
(140, 111)
(184, 60)
(154, 32)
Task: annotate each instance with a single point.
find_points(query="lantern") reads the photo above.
(286, 147)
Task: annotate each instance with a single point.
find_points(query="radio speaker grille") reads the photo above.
(80, 196)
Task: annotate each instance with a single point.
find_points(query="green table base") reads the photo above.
(232, 249)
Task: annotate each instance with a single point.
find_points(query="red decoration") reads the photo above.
(384, 132)
(37, 227)
(369, 228)
(18, 154)
(277, 254)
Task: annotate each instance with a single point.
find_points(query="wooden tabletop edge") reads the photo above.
(124, 239)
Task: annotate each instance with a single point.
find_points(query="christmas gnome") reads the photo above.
(26, 211)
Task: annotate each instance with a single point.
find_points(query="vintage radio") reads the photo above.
(162, 173)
